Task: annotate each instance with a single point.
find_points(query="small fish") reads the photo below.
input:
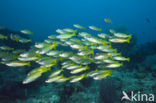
(62, 79)
(69, 30)
(101, 57)
(23, 40)
(98, 75)
(67, 62)
(73, 67)
(49, 41)
(79, 26)
(104, 47)
(88, 43)
(84, 34)
(39, 70)
(78, 46)
(66, 54)
(33, 58)
(68, 65)
(75, 58)
(112, 31)
(85, 52)
(52, 37)
(65, 36)
(109, 61)
(122, 35)
(47, 48)
(94, 40)
(84, 61)
(19, 51)
(107, 20)
(77, 78)
(15, 37)
(18, 64)
(40, 45)
(47, 62)
(26, 31)
(93, 73)
(113, 54)
(95, 28)
(53, 53)
(3, 37)
(119, 58)
(78, 70)
(109, 50)
(53, 79)
(32, 77)
(103, 35)
(7, 48)
(93, 47)
(114, 65)
(119, 40)
(27, 54)
(60, 31)
(55, 73)
(9, 58)
(103, 74)
(75, 40)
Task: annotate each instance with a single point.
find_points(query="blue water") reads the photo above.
(45, 16)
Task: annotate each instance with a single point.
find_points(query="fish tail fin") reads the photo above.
(75, 32)
(121, 64)
(62, 69)
(85, 47)
(87, 67)
(30, 40)
(54, 44)
(128, 40)
(7, 53)
(62, 75)
(115, 50)
(16, 40)
(92, 52)
(110, 72)
(28, 64)
(55, 61)
(61, 59)
(84, 28)
(38, 55)
(103, 43)
(84, 75)
(86, 56)
(130, 36)
(6, 37)
(128, 59)
(111, 56)
(100, 29)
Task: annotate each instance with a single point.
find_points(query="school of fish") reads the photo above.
(71, 55)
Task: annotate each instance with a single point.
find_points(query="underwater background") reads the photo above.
(136, 17)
